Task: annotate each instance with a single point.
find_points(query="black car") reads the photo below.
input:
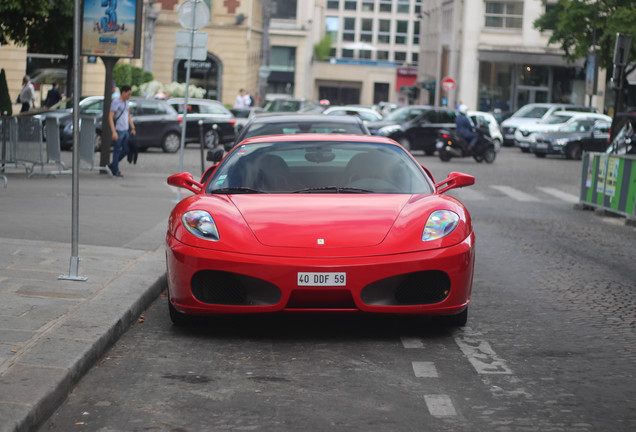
(415, 126)
(291, 123)
(218, 122)
(573, 139)
(156, 123)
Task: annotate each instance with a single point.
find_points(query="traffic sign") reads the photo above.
(448, 84)
(193, 15)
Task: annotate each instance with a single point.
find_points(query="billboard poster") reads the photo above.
(111, 28)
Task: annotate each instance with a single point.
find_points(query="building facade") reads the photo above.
(496, 58)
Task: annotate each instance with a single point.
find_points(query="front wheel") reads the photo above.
(171, 142)
(574, 151)
(489, 155)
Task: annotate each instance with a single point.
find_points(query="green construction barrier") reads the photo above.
(608, 182)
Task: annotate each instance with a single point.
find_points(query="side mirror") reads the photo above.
(454, 180)
(185, 180)
(214, 155)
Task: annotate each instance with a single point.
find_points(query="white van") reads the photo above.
(533, 113)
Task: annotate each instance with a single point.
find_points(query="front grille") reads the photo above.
(420, 288)
(224, 288)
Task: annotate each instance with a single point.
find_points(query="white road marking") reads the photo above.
(440, 405)
(468, 194)
(515, 194)
(480, 354)
(411, 342)
(425, 369)
(573, 199)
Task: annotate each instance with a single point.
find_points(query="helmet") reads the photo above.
(463, 109)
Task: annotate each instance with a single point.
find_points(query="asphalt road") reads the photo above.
(549, 346)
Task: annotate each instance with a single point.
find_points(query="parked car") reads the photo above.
(526, 134)
(320, 223)
(415, 127)
(156, 123)
(293, 123)
(533, 113)
(218, 122)
(243, 115)
(366, 114)
(573, 139)
(488, 121)
(290, 105)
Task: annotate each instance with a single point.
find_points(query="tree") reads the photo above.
(576, 23)
(6, 105)
(322, 48)
(44, 26)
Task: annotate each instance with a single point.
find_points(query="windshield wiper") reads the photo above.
(335, 189)
(235, 190)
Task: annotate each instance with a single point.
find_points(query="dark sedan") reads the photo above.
(293, 123)
(572, 139)
(415, 127)
(218, 122)
(156, 122)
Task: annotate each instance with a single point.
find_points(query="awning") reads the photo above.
(545, 59)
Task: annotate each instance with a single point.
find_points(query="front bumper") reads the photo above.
(435, 282)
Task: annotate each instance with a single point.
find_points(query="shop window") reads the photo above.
(284, 9)
(504, 14)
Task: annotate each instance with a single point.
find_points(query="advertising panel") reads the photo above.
(111, 28)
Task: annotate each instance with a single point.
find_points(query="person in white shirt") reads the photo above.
(240, 100)
(27, 94)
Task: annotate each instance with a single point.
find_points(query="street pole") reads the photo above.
(265, 53)
(74, 261)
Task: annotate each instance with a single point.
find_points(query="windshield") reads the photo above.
(530, 111)
(404, 114)
(318, 167)
(577, 126)
(293, 127)
(556, 119)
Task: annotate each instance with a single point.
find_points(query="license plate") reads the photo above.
(322, 279)
(541, 145)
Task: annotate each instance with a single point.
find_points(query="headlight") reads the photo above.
(388, 130)
(561, 142)
(201, 224)
(439, 224)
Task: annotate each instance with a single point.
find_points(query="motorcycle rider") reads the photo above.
(465, 128)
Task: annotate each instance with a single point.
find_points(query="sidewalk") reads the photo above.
(53, 331)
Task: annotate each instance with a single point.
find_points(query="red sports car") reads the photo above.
(320, 223)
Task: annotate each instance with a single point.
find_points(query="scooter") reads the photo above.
(449, 145)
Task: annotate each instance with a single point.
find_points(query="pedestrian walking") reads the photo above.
(27, 95)
(240, 101)
(52, 97)
(120, 122)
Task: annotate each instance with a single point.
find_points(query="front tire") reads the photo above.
(171, 142)
(444, 156)
(574, 151)
(489, 155)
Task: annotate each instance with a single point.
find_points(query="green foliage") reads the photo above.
(6, 105)
(572, 23)
(44, 26)
(323, 48)
(125, 74)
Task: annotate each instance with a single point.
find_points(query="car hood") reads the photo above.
(320, 220)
